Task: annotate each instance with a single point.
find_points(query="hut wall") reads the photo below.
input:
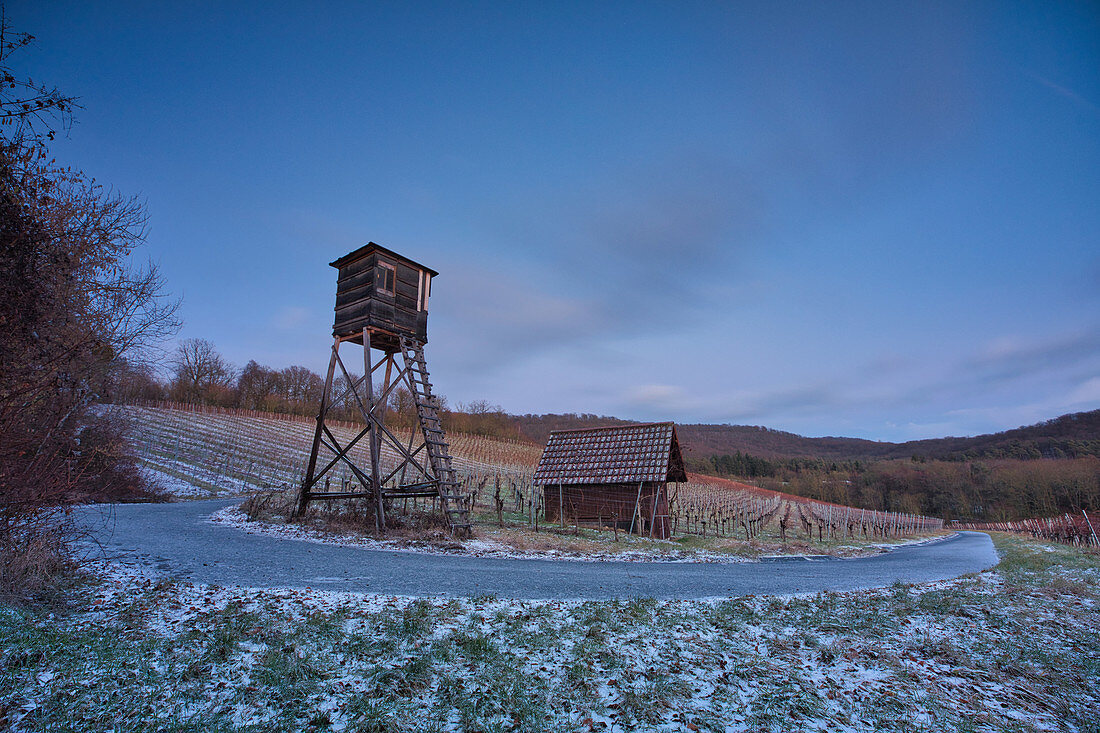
(361, 301)
(596, 504)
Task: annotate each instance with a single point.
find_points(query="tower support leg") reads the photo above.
(375, 434)
(433, 474)
(307, 483)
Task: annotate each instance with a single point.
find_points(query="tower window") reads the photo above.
(386, 276)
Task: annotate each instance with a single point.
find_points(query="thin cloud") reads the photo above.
(1010, 359)
(291, 318)
(1086, 394)
(669, 398)
(1065, 92)
(499, 319)
(783, 402)
(654, 241)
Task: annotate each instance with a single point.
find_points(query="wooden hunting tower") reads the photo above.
(612, 476)
(382, 304)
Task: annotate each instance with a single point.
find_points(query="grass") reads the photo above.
(1013, 649)
(353, 520)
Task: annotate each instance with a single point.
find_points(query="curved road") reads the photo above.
(180, 540)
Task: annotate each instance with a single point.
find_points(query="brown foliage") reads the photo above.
(72, 311)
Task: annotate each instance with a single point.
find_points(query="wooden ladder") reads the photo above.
(454, 504)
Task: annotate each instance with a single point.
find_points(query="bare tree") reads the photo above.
(71, 310)
(258, 387)
(200, 373)
(303, 388)
(28, 110)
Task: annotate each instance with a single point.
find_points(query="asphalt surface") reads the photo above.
(178, 539)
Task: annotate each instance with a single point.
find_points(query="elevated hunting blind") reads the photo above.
(382, 305)
(381, 290)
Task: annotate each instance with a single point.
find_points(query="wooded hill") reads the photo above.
(987, 477)
(1068, 436)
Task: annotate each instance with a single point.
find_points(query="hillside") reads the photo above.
(1069, 436)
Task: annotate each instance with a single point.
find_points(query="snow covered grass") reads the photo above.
(547, 544)
(1013, 649)
(344, 523)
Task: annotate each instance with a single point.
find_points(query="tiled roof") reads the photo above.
(615, 455)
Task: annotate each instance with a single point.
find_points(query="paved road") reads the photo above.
(178, 539)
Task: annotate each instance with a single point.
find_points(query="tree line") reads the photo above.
(990, 490)
(199, 374)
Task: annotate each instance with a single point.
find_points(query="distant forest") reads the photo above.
(1038, 470)
(1069, 436)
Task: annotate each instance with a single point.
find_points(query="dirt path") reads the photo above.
(179, 540)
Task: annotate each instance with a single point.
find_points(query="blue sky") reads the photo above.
(873, 219)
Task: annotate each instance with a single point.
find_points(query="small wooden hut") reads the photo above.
(614, 476)
(384, 292)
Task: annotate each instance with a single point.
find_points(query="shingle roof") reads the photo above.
(615, 455)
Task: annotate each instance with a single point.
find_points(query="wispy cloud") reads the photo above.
(658, 398)
(624, 257)
(1010, 358)
(788, 402)
(1066, 92)
(290, 318)
(1086, 394)
(498, 318)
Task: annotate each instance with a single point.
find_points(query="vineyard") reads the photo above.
(219, 450)
(204, 451)
(1069, 529)
(724, 508)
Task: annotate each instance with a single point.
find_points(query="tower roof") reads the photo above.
(369, 247)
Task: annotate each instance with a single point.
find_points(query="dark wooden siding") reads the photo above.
(362, 302)
(608, 504)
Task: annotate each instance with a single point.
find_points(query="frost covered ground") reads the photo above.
(194, 454)
(1013, 649)
(512, 542)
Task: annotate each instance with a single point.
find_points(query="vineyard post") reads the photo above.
(561, 506)
(1087, 521)
(653, 513)
(672, 502)
(499, 502)
(634, 516)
